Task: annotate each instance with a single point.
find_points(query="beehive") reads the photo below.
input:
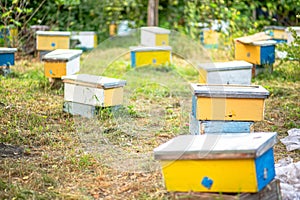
(198, 127)
(141, 56)
(290, 37)
(218, 163)
(87, 39)
(232, 72)
(50, 40)
(154, 36)
(209, 38)
(7, 56)
(259, 53)
(93, 90)
(80, 109)
(277, 33)
(61, 62)
(228, 102)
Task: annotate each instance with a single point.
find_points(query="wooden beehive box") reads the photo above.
(290, 37)
(228, 102)
(259, 53)
(231, 72)
(199, 127)
(154, 36)
(277, 33)
(50, 40)
(93, 90)
(141, 56)
(61, 62)
(80, 109)
(87, 39)
(218, 163)
(7, 56)
(209, 38)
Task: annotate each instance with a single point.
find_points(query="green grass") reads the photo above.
(111, 156)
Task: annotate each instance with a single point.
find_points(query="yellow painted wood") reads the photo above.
(113, 96)
(246, 52)
(95, 41)
(146, 58)
(44, 42)
(230, 109)
(202, 75)
(211, 37)
(280, 34)
(162, 40)
(58, 69)
(227, 175)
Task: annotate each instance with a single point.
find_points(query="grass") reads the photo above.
(110, 156)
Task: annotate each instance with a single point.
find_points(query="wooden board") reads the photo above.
(269, 192)
(231, 72)
(154, 36)
(50, 40)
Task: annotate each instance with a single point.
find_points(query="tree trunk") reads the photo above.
(153, 12)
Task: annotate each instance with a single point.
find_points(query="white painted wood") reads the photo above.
(152, 48)
(73, 66)
(238, 91)
(290, 37)
(95, 81)
(210, 145)
(148, 35)
(86, 38)
(54, 33)
(7, 50)
(62, 55)
(85, 95)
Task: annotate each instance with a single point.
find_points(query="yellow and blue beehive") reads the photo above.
(209, 38)
(154, 36)
(141, 56)
(231, 72)
(228, 102)
(50, 40)
(61, 62)
(258, 53)
(277, 33)
(93, 90)
(87, 39)
(218, 163)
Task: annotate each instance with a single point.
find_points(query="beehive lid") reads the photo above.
(83, 33)
(295, 28)
(54, 33)
(220, 146)
(264, 43)
(274, 28)
(229, 91)
(7, 50)
(155, 29)
(94, 81)
(156, 48)
(63, 55)
(225, 66)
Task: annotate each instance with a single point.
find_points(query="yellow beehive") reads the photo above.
(141, 56)
(276, 32)
(218, 163)
(50, 40)
(61, 62)
(209, 38)
(228, 102)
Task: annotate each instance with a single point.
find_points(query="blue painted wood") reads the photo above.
(7, 59)
(198, 127)
(194, 105)
(133, 61)
(265, 170)
(267, 54)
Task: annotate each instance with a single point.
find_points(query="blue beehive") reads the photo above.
(7, 56)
